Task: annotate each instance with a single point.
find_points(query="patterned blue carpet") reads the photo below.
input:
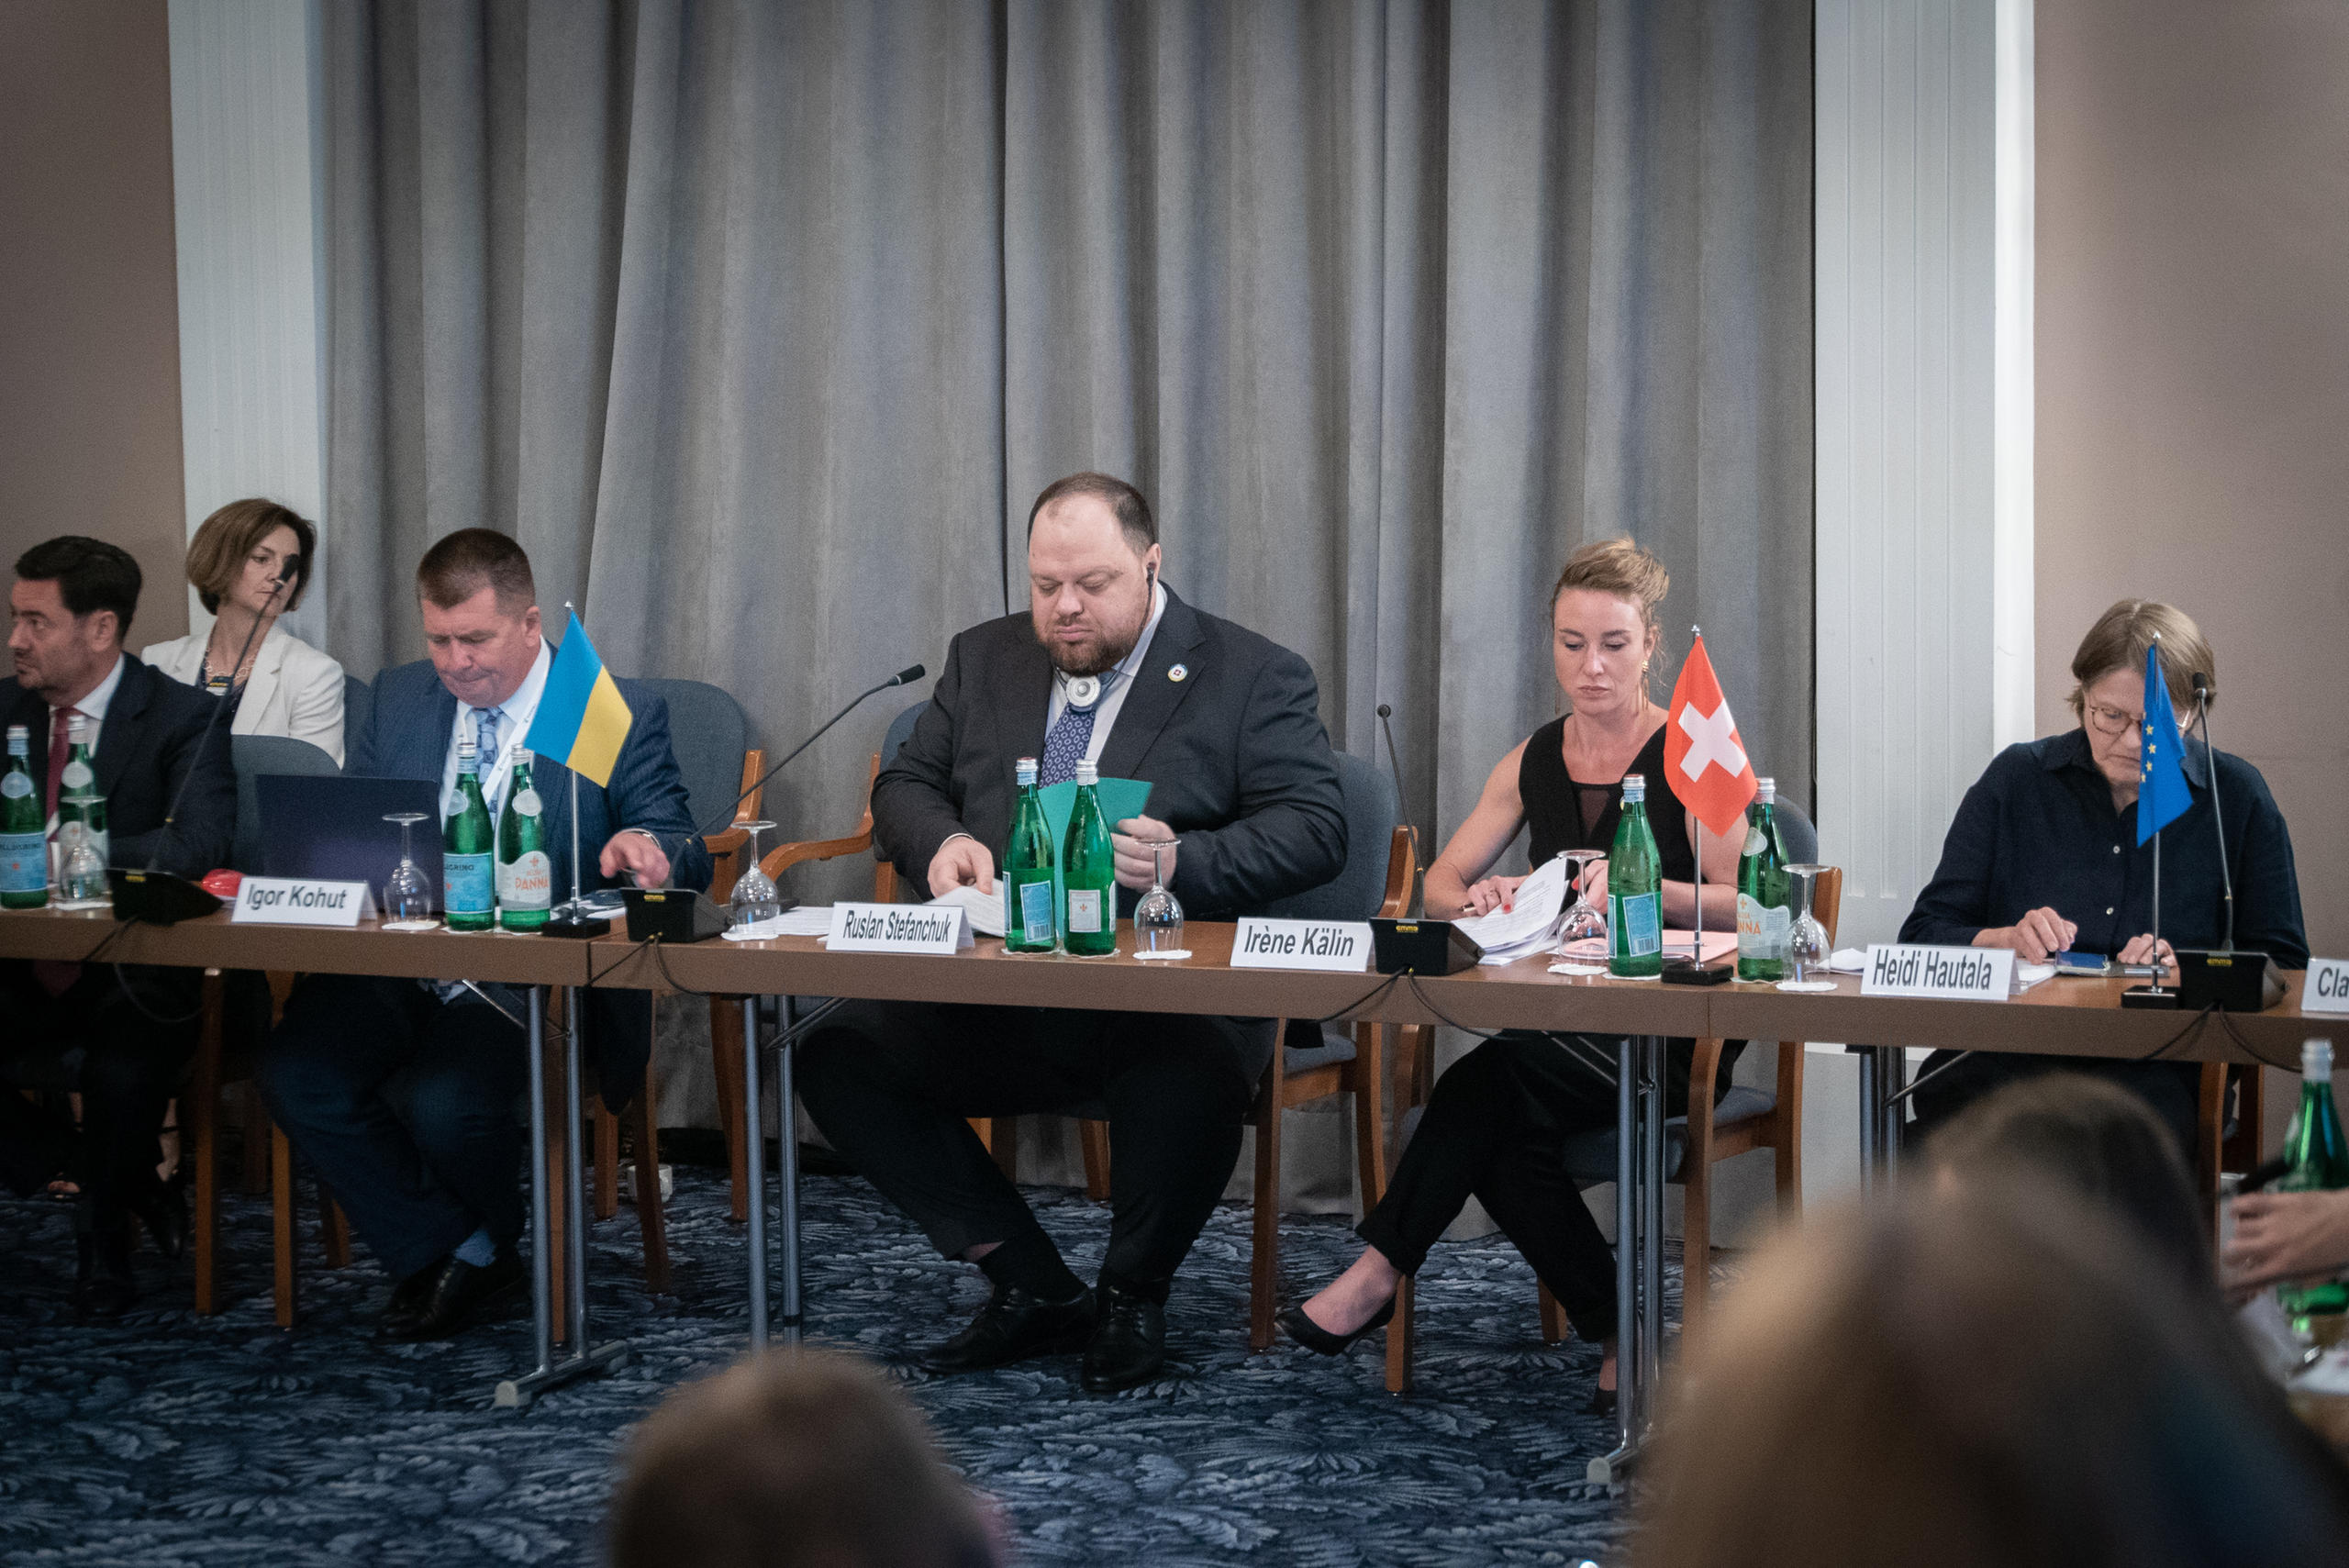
(172, 1439)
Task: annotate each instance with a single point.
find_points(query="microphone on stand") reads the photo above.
(2233, 981)
(163, 897)
(678, 915)
(1395, 768)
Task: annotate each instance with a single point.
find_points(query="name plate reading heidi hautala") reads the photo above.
(1907, 969)
(298, 900)
(1261, 942)
(2327, 990)
(898, 927)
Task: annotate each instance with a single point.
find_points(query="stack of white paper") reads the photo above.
(982, 910)
(1523, 928)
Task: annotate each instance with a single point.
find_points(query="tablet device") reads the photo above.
(332, 828)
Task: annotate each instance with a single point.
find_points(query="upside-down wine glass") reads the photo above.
(756, 904)
(1582, 919)
(1807, 943)
(1158, 917)
(82, 874)
(407, 896)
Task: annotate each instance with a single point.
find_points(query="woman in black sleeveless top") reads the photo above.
(1497, 1124)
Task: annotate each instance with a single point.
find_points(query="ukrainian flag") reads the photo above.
(581, 720)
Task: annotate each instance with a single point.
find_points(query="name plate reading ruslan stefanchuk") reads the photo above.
(1261, 942)
(1907, 969)
(299, 901)
(2327, 990)
(898, 927)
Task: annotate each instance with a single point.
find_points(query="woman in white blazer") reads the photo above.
(237, 563)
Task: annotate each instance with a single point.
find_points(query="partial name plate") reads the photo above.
(1265, 942)
(899, 927)
(300, 901)
(1914, 969)
(2327, 990)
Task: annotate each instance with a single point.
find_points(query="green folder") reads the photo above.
(1121, 799)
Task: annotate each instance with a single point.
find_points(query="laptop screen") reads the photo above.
(334, 829)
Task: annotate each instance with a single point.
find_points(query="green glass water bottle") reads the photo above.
(24, 836)
(468, 851)
(79, 804)
(1765, 916)
(1634, 890)
(525, 873)
(2319, 1163)
(1028, 919)
(1090, 873)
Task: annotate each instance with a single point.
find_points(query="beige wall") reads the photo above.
(89, 312)
(2193, 371)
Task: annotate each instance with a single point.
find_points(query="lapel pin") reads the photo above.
(1178, 672)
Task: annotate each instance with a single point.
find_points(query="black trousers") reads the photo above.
(405, 1104)
(1495, 1130)
(121, 1038)
(2174, 1089)
(891, 1083)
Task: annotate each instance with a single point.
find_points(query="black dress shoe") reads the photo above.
(1129, 1343)
(163, 1210)
(409, 1295)
(1322, 1342)
(103, 1287)
(1013, 1325)
(453, 1293)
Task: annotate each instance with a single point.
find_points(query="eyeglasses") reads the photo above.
(2112, 720)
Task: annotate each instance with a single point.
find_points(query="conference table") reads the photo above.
(2065, 1016)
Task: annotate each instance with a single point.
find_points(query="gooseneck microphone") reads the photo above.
(2218, 821)
(1395, 769)
(904, 677)
(2221, 977)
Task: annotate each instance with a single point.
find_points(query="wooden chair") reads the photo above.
(2215, 1148)
(1744, 1120)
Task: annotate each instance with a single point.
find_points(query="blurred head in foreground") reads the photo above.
(1989, 1375)
(812, 1461)
(2094, 1139)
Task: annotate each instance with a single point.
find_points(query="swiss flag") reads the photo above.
(1702, 751)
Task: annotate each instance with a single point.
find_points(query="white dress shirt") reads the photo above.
(517, 711)
(92, 707)
(1115, 683)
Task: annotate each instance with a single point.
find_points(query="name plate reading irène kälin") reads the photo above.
(1261, 942)
(299, 901)
(898, 927)
(1909, 969)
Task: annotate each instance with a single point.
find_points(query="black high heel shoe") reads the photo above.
(1322, 1342)
(1602, 1401)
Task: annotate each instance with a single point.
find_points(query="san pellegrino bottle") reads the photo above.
(81, 809)
(1088, 872)
(1765, 916)
(1634, 889)
(1028, 925)
(468, 850)
(525, 873)
(24, 836)
(2319, 1163)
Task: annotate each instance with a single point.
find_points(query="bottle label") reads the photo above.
(1755, 841)
(1036, 908)
(15, 786)
(24, 862)
(77, 775)
(1764, 931)
(1639, 920)
(469, 884)
(528, 804)
(526, 881)
(1083, 910)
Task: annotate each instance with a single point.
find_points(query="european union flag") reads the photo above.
(2162, 793)
(582, 720)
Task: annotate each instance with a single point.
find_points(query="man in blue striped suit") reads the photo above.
(402, 1092)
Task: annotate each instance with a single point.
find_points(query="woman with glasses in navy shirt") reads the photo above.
(2043, 856)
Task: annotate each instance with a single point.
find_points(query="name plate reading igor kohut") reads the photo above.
(2327, 990)
(1261, 942)
(898, 927)
(299, 901)
(1907, 969)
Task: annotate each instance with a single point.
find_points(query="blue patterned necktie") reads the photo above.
(1064, 747)
(485, 745)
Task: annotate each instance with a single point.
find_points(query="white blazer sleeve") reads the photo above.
(313, 683)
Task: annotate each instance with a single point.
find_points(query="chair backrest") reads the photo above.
(252, 756)
(358, 709)
(1355, 894)
(708, 732)
(1795, 832)
(900, 728)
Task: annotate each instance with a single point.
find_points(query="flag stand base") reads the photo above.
(2150, 998)
(1691, 972)
(575, 920)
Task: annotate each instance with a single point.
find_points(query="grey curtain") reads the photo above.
(761, 324)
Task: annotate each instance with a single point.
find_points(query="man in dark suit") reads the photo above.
(121, 1036)
(403, 1092)
(1107, 666)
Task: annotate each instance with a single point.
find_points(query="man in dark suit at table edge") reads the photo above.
(401, 1091)
(69, 609)
(1108, 665)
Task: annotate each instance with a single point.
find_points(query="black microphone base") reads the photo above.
(671, 914)
(158, 897)
(1422, 947)
(2232, 981)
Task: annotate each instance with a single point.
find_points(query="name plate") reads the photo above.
(1262, 943)
(299, 901)
(2327, 990)
(899, 927)
(1909, 969)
